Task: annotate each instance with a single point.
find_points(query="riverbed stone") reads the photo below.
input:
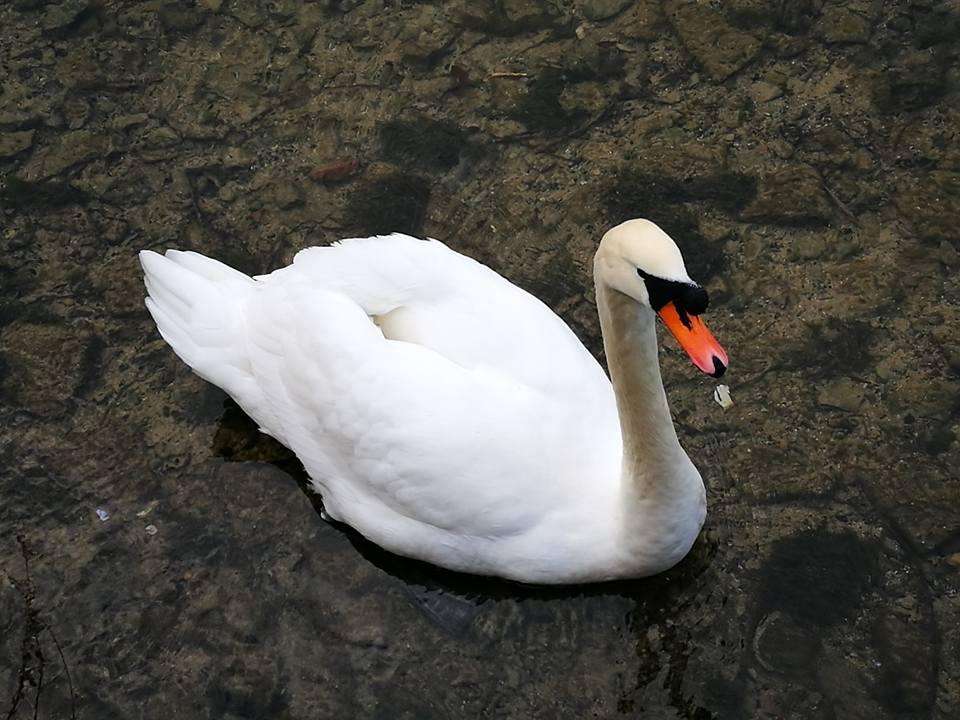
(67, 151)
(45, 364)
(845, 23)
(603, 9)
(844, 394)
(719, 47)
(931, 203)
(14, 143)
(790, 196)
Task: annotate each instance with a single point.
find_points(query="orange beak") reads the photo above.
(695, 339)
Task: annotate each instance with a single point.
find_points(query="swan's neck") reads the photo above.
(653, 461)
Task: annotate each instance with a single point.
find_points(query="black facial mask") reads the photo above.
(691, 299)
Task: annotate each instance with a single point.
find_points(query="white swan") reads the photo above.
(452, 417)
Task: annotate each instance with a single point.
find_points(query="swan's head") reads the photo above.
(640, 260)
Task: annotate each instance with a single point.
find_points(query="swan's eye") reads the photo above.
(659, 291)
(693, 299)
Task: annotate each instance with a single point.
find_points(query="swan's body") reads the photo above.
(445, 413)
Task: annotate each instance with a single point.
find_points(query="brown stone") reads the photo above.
(791, 196)
(67, 150)
(46, 363)
(932, 204)
(15, 142)
(720, 48)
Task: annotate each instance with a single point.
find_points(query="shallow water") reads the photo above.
(805, 155)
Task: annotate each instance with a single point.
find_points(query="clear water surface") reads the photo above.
(159, 559)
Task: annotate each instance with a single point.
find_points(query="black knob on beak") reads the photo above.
(694, 299)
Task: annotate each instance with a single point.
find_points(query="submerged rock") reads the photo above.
(602, 9)
(843, 24)
(761, 91)
(288, 194)
(845, 394)
(57, 18)
(427, 35)
(66, 151)
(20, 106)
(924, 397)
(931, 203)
(718, 46)
(792, 196)
(15, 142)
(948, 254)
(45, 364)
(913, 83)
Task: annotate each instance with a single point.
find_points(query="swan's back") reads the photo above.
(422, 292)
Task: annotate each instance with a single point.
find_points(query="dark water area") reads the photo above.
(160, 559)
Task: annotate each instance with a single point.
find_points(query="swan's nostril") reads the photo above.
(718, 367)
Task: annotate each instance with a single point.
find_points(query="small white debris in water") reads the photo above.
(103, 515)
(150, 529)
(722, 396)
(148, 509)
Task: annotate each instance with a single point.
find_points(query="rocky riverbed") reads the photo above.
(159, 558)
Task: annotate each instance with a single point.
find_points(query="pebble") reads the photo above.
(602, 9)
(719, 47)
(936, 398)
(160, 137)
(844, 394)
(15, 142)
(66, 150)
(948, 254)
(809, 247)
(791, 196)
(840, 24)
(44, 364)
(287, 194)
(931, 203)
(61, 15)
(762, 91)
(122, 122)
(237, 157)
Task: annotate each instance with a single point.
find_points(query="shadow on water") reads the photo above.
(453, 601)
(807, 588)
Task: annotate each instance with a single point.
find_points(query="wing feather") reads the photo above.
(392, 423)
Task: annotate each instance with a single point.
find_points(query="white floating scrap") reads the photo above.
(148, 509)
(722, 396)
(103, 515)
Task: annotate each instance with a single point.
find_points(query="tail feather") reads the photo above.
(195, 302)
(211, 269)
(170, 329)
(167, 284)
